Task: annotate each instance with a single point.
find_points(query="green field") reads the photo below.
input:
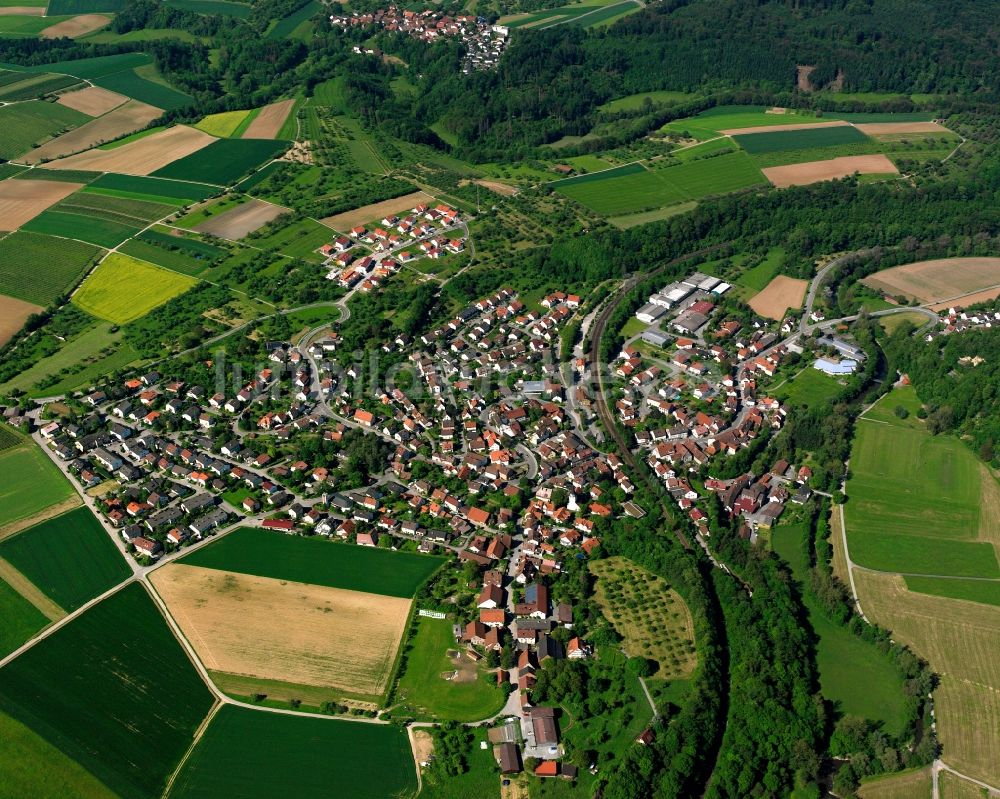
(131, 84)
(70, 558)
(127, 210)
(810, 387)
(652, 189)
(99, 66)
(29, 123)
(757, 277)
(423, 693)
(707, 124)
(84, 6)
(113, 690)
(249, 753)
(584, 14)
(21, 620)
(781, 140)
(17, 26)
(176, 260)
(28, 86)
(65, 263)
(171, 192)
(594, 177)
(223, 162)
(223, 7)
(299, 240)
(9, 170)
(316, 561)
(102, 232)
(625, 221)
(105, 36)
(914, 500)
(840, 655)
(480, 781)
(31, 483)
(986, 592)
(222, 125)
(122, 289)
(288, 25)
(193, 247)
(57, 175)
(31, 766)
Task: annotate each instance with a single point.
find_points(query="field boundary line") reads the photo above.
(60, 508)
(17, 580)
(198, 733)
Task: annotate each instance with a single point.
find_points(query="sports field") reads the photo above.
(65, 261)
(778, 296)
(251, 754)
(443, 686)
(30, 484)
(28, 123)
(114, 691)
(286, 631)
(224, 161)
(70, 558)
(914, 502)
(938, 280)
(122, 288)
(318, 562)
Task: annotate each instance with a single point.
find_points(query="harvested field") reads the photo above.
(143, 156)
(967, 299)
(503, 189)
(367, 213)
(23, 11)
(907, 785)
(940, 281)
(831, 169)
(13, 314)
(778, 296)
(281, 630)
(779, 128)
(269, 121)
(23, 200)
(78, 26)
(889, 128)
(960, 640)
(92, 101)
(243, 219)
(127, 118)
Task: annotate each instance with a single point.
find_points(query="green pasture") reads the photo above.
(293, 23)
(625, 221)
(159, 190)
(32, 122)
(131, 84)
(31, 483)
(708, 123)
(224, 161)
(757, 277)
(222, 7)
(21, 620)
(17, 26)
(65, 263)
(810, 388)
(811, 138)
(986, 592)
(85, 6)
(98, 66)
(299, 240)
(145, 35)
(123, 289)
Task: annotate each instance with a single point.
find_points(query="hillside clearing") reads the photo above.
(939, 280)
(778, 296)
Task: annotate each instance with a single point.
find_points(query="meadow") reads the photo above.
(604, 174)
(224, 161)
(21, 620)
(103, 232)
(810, 387)
(288, 25)
(31, 483)
(84, 6)
(28, 87)
(299, 240)
(424, 693)
(31, 766)
(114, 691)
(131, 84)
(316, 561)
(70, 558)
(170, 192)
(633, 101)
(28, 123)
(253, 754)
(122, 288)
(810, 138)
(914, 502)
(127, 210)
(841, 655)
(911, 784)
(707, 124)
(986, 592)
(223, 7)
(65, 263)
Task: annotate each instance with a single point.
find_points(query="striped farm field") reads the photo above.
(97, 218)
(29, 86)
(606, 174)
(131, 84)
(26, 124)
(65, 263)
(159, 190)
(123, 288)
(31, 483)
(810, 138)
(224, 161)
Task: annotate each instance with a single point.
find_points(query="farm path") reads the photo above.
(939, 766)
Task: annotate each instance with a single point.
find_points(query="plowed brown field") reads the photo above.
(269, 121)
(92, 101)
(831, 169)
(140, 157)
(123, 120)
(23, 200)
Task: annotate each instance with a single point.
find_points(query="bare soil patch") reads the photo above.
(269, 121)
(367, 213)
(503, 189)
(967, 300)
(30, 591)
(889, 128)
(778, 296)
(92, 101)
(13, 313)
(802, 73)
(279, 630)
(24, 11)
(242, 220)
(833, 123)
(143, 156)
(831, 169)
(78, 26)
(423, 745)
(23, 200)
(940, 281)
(123, 120)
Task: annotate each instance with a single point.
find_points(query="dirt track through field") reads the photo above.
(13, 313)
(78, 26)
(888, 128)
(92, 101)
(280, 630)
(143, 156)
(835, 123)
(238, 222)
(49, 513)
(831, 169)
(30, 591)
(778, 296)
(123, 120)
(939, 280)
(23, 200)
(359, 216)
(268, 122)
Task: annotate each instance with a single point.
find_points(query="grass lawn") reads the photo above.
(122, 288)
(625, 221)
(31, 483)
(424, 693)
(914, 499)
(840, 655)
(250, 753)
(893, 321)
(98, 688)
(21, 620)
(481, 781)
(31, 766)
(810, 387)
(985, 591)
(910, 784)
(317, 561)
(70, 558)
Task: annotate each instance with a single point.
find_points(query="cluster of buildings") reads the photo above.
(484, 43)
(685, 305)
